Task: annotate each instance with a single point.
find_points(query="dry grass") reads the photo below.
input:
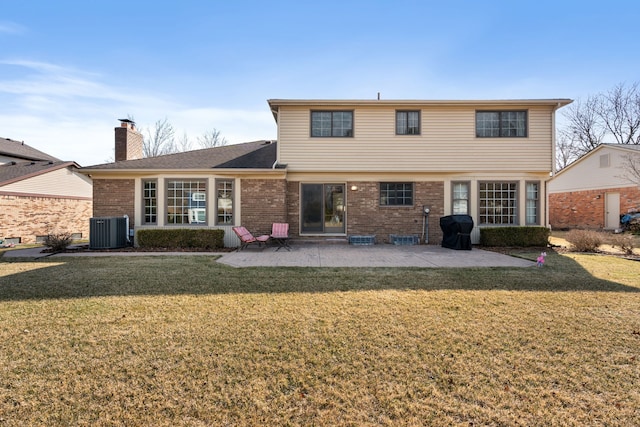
(610, 242)
(184, 341)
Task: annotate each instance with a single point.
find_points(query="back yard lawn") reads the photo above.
(168, 341)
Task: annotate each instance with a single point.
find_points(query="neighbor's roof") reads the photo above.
(249, 155)
(20, 150)
(628, 147)
(17, 171)
(635, 147)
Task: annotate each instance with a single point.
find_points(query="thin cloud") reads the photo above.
(71, 113)
(49, 79)
(11, 28)
(69, 88)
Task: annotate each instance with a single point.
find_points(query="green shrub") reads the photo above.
(58, 242)
(514, 236)
(180, 238)
(584, 240)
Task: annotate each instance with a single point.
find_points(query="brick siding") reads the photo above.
(26, 217)
(586, 209)
(263, 203)
(293, 208)
(365, 216)
(114, 197)
(128, 144)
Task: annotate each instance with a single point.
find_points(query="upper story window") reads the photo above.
(332, 123)
(501, 124)
(396, 194)
(407, 122)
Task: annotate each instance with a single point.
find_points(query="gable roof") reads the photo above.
(17, 171)
(249, 155)
(623, 147)
(20, 150)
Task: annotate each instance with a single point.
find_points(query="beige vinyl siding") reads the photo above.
(447, 142)
(588, 174)
(61, 182)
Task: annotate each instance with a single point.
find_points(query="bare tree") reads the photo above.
(566, 151)
(631, 167)
(211, 138)
(159, 140)
(620, 113)
(585, 129)
(609, 117)
(184, 143)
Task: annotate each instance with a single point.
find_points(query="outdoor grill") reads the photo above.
(456, 231)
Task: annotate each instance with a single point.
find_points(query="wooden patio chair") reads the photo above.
(280, 234)
(246, 238)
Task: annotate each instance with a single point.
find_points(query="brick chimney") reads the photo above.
(128, 141)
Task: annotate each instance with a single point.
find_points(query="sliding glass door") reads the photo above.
(322, 208)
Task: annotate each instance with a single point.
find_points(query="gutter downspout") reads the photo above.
(553, 165)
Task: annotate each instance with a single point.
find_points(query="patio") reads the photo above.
(383, 255)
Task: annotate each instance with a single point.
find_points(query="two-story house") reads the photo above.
(40, 194)
(348, 167)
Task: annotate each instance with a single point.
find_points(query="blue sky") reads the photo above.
(70, 69)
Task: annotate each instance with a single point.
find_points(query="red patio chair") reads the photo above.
(246, 238)
(280, 234)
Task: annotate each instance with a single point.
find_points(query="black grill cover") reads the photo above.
(456, 231)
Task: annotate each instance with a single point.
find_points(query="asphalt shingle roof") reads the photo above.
(249, 155)
(20, 150)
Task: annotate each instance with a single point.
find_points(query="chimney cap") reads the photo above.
(127, 121)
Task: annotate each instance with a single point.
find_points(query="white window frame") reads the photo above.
(532, 203)
(492, 211)
(456, 210)
(226, 186)
(186, 201)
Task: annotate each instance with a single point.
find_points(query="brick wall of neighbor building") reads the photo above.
(367, 217)
(26, 217)
(114, 197)
(263, 203)
(586, 209)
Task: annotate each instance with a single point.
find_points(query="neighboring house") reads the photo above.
(348, 167)
(595, 190)
(40, 194)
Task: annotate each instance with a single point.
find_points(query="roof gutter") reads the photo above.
(180, 172)
(276, 103)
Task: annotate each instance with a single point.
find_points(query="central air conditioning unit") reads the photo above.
(108, 233)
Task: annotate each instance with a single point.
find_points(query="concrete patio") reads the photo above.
(326, 255)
